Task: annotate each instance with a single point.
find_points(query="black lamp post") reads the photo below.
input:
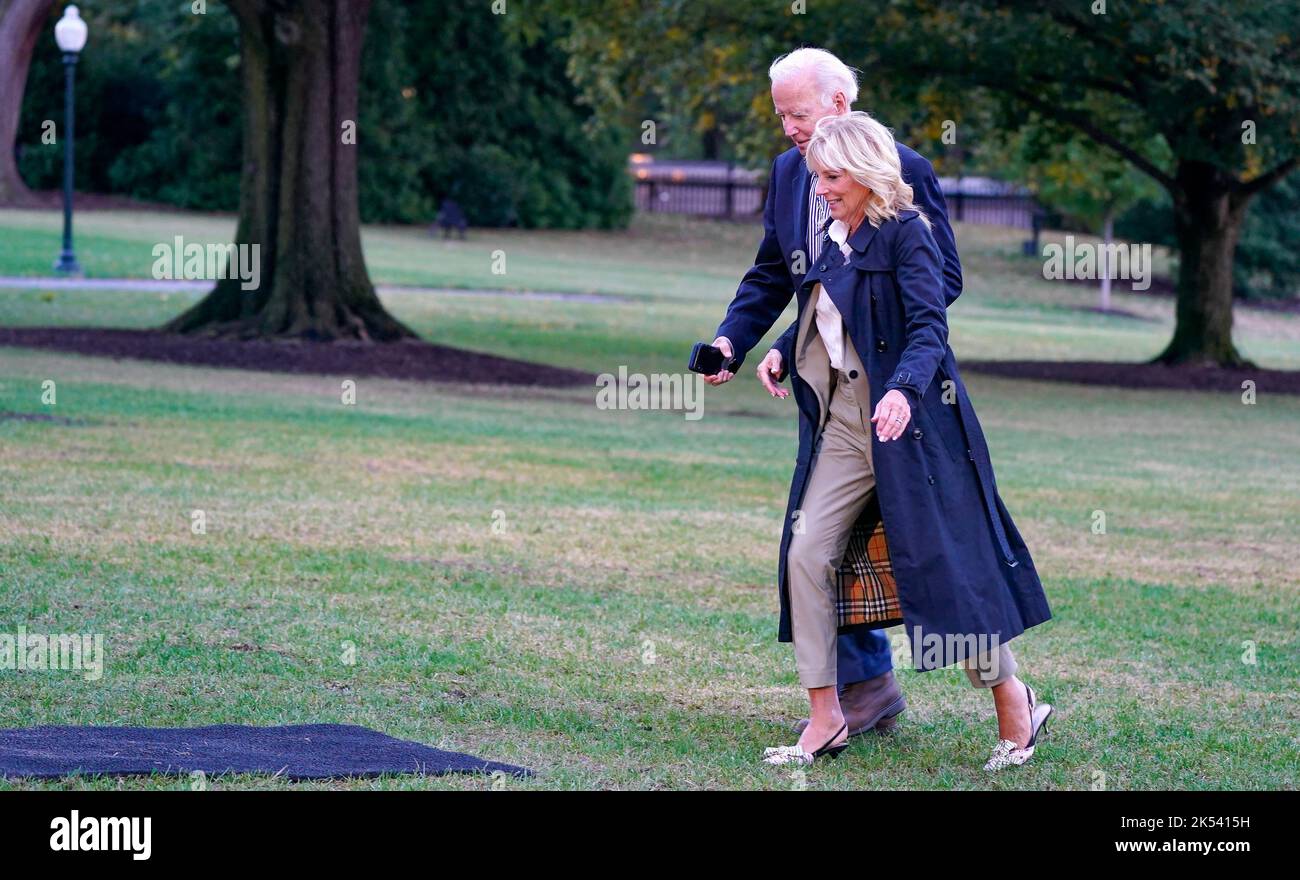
(70, 34)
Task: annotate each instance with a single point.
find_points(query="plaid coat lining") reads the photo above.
(866, 588)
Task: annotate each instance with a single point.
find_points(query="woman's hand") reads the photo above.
(770, 371)
(892, 415)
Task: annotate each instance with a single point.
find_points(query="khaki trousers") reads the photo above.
(841, 483)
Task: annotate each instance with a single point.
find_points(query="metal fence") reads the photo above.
(706, 198)
(988, 209)
(740, 199)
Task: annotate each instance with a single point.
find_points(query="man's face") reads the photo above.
(799, 107)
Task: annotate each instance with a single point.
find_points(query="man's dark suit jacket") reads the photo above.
(767, 287)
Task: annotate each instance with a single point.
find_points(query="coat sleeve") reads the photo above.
(929, 198)
(918, 263)
(765, 290)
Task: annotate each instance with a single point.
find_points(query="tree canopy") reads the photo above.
(455, 101)
(1200, 96)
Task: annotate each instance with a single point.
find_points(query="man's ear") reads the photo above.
(841, 102)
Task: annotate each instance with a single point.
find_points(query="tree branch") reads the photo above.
(1142, 163)
(1268, 178)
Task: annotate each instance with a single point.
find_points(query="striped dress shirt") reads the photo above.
(818, 213)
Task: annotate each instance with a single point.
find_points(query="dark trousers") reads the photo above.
(861, 655)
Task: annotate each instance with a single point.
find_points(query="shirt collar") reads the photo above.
(839, 232)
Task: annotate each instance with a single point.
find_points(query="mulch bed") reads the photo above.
(424, 361)
(52, 199)
(1141, 375)
(409, 359)
(10, 415)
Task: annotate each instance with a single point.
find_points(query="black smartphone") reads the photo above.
(709, 360)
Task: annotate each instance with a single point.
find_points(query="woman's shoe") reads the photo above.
(796, 755)
(1006, 753)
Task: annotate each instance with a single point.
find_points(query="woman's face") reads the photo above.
(846, 197)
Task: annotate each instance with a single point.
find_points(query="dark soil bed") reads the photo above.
(1140, 375)
(410, 359)
(425, 361)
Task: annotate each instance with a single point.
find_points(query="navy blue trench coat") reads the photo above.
(963, 576)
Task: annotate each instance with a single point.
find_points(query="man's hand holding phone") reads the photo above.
(723, 344)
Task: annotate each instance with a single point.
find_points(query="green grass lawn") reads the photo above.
(517, 574)
(676, 278)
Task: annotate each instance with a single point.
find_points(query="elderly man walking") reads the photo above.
(807, 85)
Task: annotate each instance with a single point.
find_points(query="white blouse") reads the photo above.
(830, 324)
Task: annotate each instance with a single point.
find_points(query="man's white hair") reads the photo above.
(829, 73)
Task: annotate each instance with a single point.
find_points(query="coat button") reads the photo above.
(821, 268)
(873, 297)
(931, 479)
(881, 346)
(853, 374)
(916, 434)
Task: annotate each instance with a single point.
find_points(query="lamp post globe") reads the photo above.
(70, 34)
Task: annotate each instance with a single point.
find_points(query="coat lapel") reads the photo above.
(812, 363)
(861, 238)
(800, 208)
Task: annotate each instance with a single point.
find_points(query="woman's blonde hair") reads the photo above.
(861, 147)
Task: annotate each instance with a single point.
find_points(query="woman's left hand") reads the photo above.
(892, 415)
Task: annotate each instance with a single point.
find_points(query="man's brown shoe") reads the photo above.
(873, 704)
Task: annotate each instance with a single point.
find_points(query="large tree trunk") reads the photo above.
(21, 25)
(1208, 213)
(298, 198)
